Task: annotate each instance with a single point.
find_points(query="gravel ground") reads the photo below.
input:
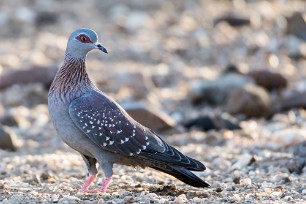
(174, 45)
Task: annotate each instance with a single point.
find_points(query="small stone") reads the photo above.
(296, 25)
(8, 140)
(218, 190)
(9, 120)
(246, 182)
(128, 199)
(281, 178)
(230, 188)
(180, 199)
(198, 200)
(268, 80)
(25, 14)
(136, 20)
(289, 137)
(69, 200)
(149, 116)
(288, 198)
(172, 187)
(37, 74)
(243, 161)
(236, 197)
(218, 91)
(250, 100)
(236, 180)
(304, 191)
(128, 85)
(233, 20)
(138, 185)
(268, 190)
(17, 198)
(300, 150)
(210, 122)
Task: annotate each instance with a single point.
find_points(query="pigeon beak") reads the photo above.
(100, 47)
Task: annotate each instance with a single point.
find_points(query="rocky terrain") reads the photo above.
(222, 81)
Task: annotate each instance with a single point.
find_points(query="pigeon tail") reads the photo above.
(184, 175)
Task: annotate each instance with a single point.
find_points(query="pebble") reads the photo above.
(236, 197)
(243, 161)
(288, 198)
(180, 199)
(249, 100)
(288, 137)
(149, 116)
(69, 200)
(230, 188)
(304, 191)
(246, 182)
(8, 139)
(128, 199)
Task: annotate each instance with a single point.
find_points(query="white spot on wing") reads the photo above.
(111, 142)
(104, 144)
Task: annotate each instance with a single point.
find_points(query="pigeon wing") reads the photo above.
(111, 128)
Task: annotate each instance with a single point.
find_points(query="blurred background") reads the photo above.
(224, 81)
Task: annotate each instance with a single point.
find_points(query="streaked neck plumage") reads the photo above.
(71, 80)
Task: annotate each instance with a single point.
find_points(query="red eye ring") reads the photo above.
(83, 38)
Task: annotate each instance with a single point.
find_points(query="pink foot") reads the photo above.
(87, 183)
(105, 184)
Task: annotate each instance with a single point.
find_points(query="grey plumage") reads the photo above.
(97, 127)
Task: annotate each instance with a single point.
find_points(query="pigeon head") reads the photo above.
(82, 41)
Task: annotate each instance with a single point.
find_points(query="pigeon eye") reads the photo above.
(83, 38)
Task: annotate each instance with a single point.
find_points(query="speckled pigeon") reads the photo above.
(100, 130)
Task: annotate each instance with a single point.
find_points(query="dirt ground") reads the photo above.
(174, 45)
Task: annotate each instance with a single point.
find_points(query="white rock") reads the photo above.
(288, 198)
(304, 191)
(25, 14)
(236, 197)
(246, 182)
(289, 137)
(136, 20)
(243, 160)
(69, 199)
(198, 200)
(14, 199)
(180, 199)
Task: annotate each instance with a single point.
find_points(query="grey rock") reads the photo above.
(250, 100)
(217, 91)
(133, 82)
(149, 116)
(8, 140)
(296, 25)
(300, 149)
(41, 75)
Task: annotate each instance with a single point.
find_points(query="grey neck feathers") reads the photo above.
(71, 80)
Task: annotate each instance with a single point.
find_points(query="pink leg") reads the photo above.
(87, 184)
(105, 184)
